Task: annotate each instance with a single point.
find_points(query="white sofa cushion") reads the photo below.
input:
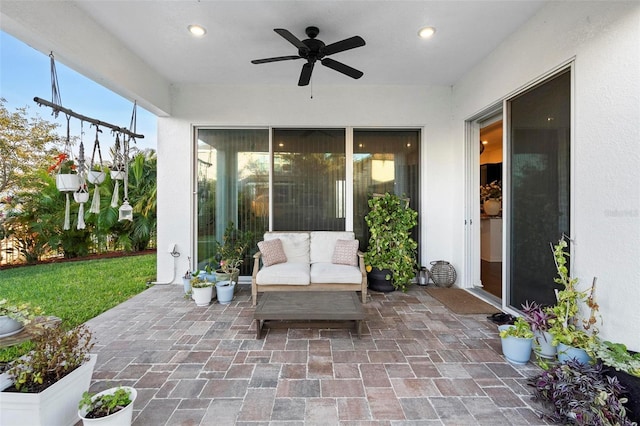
(323, 243)
(290, 273)
(294, 244)
(327, 272)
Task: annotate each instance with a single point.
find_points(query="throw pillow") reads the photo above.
(345, 252)
(272, 252)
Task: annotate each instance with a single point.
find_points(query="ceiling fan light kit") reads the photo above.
(314, 50)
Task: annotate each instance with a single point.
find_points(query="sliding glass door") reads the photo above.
(539, 166)
(297, 180)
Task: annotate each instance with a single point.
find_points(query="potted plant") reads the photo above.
(13, 318)
(578, 393)
(235, 244)
(96, 175)
(67, 179)
(201, 290)
(574, 336)
(113, 406)
(517, 340)
(224, 291)
(49, 381)
(624, 365)
(391, 254)
(538, 318)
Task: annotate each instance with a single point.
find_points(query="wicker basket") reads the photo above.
(443, 273)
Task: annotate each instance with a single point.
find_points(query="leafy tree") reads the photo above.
(26, 144)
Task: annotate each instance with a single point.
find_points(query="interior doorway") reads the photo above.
(491, 223)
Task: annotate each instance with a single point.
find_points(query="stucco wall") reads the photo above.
(604, 39)
(354, 105)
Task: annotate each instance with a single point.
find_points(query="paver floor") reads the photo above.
(417, 363)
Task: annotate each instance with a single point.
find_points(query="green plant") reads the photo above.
(22, 313)
(199, 282)
(390, 220)
(616, 355)
(575, 393)
(235, 244)
(567, 327)
(520, 329)
(106, 404)
(56, 354)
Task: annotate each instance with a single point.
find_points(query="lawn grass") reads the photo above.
(78, 291)
(75, 291)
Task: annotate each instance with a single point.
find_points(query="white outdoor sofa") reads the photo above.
(311, 261)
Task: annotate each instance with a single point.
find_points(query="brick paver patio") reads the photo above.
(417, 363)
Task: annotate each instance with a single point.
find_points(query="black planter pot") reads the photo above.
(631, 386)
(378, 282)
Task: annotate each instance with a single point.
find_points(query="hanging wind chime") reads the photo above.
(96, 174)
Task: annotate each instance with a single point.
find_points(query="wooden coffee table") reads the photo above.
(328, 309)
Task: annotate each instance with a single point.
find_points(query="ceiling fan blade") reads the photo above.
(305, 75)
(276, 59)
(340, 67)
(291, 38)
(341, 46)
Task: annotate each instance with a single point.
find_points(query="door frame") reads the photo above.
(472, 199)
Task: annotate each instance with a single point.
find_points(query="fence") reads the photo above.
(10, 250)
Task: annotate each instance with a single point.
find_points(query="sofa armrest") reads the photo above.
(256, 264)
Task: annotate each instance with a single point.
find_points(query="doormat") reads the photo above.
(460, 301)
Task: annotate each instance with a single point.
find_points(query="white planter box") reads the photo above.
(55, 406)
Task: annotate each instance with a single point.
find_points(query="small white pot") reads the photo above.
(96, 177)
(202, 296)
(67, 182)
(120, 418)
(117, 174)
(224, 290)
(81, 197)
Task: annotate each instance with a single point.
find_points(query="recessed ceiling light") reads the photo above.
(197, 30)
(426, 32)
(485, 142)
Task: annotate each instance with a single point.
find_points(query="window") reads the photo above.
(301, 185)
(308, 170)
(384, 161)
(232, 186)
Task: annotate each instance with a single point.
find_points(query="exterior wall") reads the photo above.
(603, 38)
(399, 106)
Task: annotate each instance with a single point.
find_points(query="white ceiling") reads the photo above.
(239, 31)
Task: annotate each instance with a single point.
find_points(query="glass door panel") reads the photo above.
(539, 129)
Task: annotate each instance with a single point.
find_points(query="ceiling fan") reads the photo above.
(314, 50)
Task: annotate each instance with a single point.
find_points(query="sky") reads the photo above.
(25, 73)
